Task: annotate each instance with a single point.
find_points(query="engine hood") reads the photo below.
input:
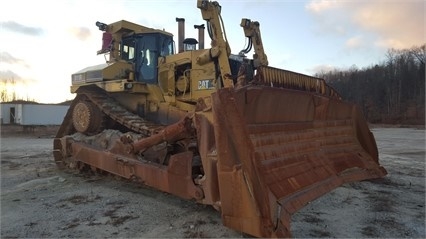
(101, 72)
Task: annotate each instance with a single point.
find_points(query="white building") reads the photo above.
(32, 113)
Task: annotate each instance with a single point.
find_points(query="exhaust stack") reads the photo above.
(181, 33)
(200, 35)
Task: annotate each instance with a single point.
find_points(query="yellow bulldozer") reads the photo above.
(255, 142)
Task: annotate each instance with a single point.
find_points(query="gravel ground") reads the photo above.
(39, 201)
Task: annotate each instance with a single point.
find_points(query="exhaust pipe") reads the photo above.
(181, 33)
(200, 35)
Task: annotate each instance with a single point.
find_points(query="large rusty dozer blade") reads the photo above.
(278, 149)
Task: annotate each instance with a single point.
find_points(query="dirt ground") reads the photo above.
(39, 201)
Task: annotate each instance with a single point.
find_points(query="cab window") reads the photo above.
(166, 46)
(147, 58)
(128, 50)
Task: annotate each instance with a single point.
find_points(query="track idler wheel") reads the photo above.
(87, 118)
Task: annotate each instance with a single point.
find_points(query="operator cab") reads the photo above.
(143, 50)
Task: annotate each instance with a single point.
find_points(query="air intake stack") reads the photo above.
(181, 33)
(200, 35)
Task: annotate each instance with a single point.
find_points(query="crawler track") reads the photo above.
(111, 109)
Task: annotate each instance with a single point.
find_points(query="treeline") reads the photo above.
(390, 92)
(9, 92)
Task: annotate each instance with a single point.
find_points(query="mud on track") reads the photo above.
(38, 200)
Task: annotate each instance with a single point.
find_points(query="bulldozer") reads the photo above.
(255, 142)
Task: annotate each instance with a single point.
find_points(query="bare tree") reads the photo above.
(8, 95)
(392, 91)
(419, 53)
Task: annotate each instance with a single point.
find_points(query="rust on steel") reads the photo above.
(175, 178)
(174, 132)
(279, 149)
(267, 75)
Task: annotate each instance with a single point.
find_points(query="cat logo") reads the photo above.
(205, 84)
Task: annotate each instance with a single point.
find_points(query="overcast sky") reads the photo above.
(43, 42)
